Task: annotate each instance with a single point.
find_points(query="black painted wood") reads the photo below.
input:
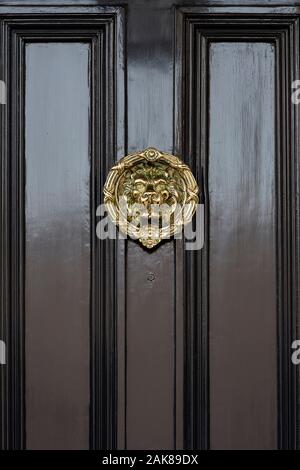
(57, 97)
(143, 33)
(104, 34)
(196, 29)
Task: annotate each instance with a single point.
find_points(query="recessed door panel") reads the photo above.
(57, 247)
(238, 129)
(242, 246)
(61, 127)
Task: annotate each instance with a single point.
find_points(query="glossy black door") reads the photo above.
(109, 345)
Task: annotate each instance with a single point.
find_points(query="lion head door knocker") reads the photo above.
(150, 195)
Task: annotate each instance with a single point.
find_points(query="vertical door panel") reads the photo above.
(62, 132)
(239, 131)
(242, 241)
(57, 224)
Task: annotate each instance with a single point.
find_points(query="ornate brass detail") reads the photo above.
(150, 186)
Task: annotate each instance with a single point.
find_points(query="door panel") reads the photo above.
(238, 127)
(242, 242)
(63, 128)
(57, 263)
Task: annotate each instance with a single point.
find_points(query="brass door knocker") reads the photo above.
(150, 195)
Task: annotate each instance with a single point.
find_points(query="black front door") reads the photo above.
(108, 344)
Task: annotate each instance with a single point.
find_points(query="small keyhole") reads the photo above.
(150, 277)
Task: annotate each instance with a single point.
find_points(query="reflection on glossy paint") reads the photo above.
(57, 245)
(241, 173)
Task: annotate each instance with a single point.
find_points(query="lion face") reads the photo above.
(151, 186)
